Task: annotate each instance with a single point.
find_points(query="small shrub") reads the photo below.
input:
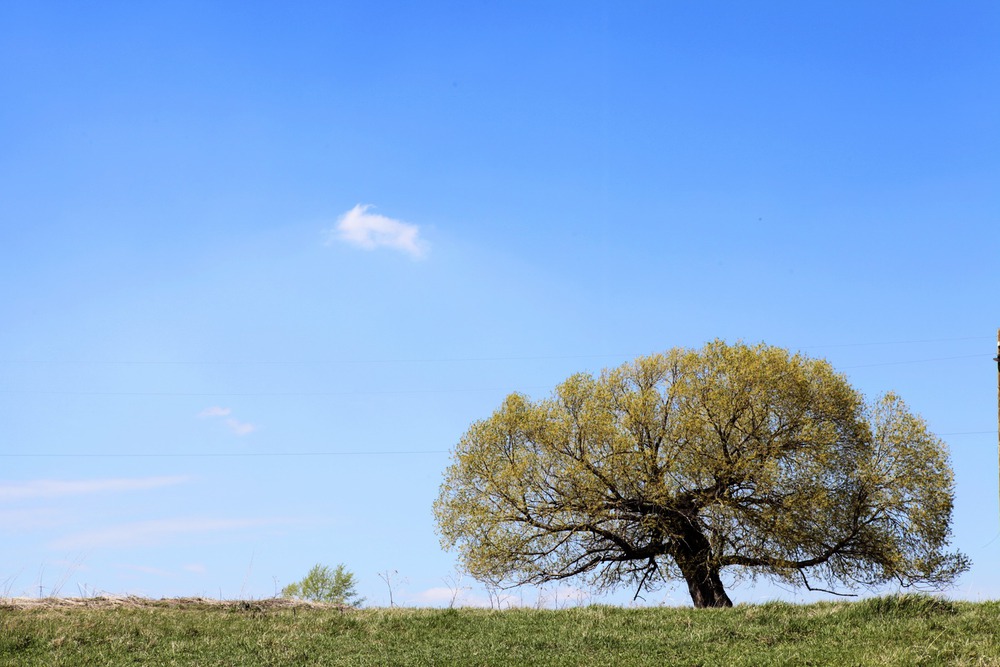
(336, 586)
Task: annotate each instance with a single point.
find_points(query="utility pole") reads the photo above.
(997, 359)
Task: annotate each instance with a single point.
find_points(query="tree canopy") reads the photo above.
(682, 465)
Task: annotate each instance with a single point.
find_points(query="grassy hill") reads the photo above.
(904, 630)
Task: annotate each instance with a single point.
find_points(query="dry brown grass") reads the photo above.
(136, 602)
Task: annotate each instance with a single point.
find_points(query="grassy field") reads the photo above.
(906, 630)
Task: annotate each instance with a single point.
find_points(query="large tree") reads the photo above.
(688, 463)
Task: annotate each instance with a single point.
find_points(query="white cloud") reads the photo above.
(556, 597)
(436, 595)
(145, 569)
(55, 488)
(36, 518)
(371, 230)
(240, 428)
(235, 425)
(561, 596)
(440, 596)
(157, 531)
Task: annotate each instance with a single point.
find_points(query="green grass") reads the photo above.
(906, 630)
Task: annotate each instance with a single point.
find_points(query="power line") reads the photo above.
(317, 362)
(303, 394)
(221, 455)
(297, 362)
(239, 455)
(901, 342)
(218, 394)
(914, 361)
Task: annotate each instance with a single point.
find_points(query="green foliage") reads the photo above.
(321, 584)
(271, 632)
(682, 464)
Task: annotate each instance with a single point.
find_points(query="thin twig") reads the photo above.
(824, 590)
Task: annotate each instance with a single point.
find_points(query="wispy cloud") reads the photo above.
(56, 488)
(146, 569)
(158, 531)
(194, 568)
(19, 521)
(214, 411)
(368, 230)
(440, 596)
(240, 428)
(234, 425)
(553, 598)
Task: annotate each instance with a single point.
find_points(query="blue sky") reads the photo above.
(262, 264)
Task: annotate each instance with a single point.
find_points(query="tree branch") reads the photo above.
(805, 582)
(649, 570)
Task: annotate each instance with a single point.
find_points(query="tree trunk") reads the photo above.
(705, 586)
(693, 555)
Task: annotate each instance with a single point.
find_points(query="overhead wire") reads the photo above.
(227, 455)
(317, 362)
(373, 392)
(211, 455)
(245, 394)
(226, 394)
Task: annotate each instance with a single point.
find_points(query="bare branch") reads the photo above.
(805, 582)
